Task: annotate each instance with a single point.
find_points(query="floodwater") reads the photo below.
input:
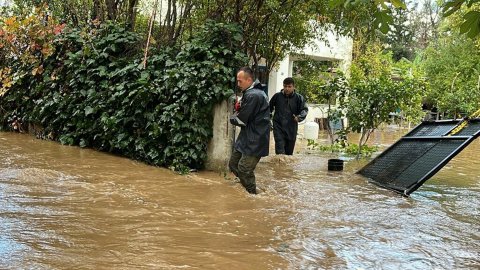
(65, 207)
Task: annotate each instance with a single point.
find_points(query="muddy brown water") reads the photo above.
(65, 207)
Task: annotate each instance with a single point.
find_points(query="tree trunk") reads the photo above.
(174, 23)
(329, 128)
(363, 140)
(97, 10)
(360, 144)
(131, 14)
(187, 8)
(111, 9)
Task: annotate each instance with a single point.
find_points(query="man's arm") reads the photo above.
(243, 115)
(303, 109)
(272, 104)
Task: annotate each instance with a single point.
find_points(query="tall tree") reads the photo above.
(400, 36)
(273, 28)
(425, 20)
(365, 21)
(452, 67)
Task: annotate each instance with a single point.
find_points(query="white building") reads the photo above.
(335, 48)
(4, 3)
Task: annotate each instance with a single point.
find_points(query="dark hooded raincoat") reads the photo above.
(254, 119)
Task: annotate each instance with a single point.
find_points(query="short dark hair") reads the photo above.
(288, 81)
(248, 72)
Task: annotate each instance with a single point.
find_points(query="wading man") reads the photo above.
(253, 118)
(288, 108)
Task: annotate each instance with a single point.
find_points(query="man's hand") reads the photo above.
(295, 118)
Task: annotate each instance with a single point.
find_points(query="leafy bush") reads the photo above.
(94, 92)
(377, 88)
(347, 149)
(452, 66)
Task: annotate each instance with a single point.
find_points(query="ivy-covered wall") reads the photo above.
(92, 91)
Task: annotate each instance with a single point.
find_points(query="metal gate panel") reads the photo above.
(386, 168)
(470, 130)
(416, 157)
(438, 128)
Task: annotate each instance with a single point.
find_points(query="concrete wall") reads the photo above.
(220, 146)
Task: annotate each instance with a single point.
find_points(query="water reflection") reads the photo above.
(65, 207)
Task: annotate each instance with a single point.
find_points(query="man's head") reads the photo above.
(288, 86)
(244, 78)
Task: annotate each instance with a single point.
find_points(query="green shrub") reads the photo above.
(346, 149)
(95, 93)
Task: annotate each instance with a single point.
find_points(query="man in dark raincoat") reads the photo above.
(288, 108)
(253, 117)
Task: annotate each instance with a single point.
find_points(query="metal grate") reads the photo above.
(433, 129)
(470, 130)
(426, 163)
(416, 157)
(391, 164)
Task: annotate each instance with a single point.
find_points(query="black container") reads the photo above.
(335, 164)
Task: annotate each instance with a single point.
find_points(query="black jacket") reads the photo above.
(254, 120)
(284, 107)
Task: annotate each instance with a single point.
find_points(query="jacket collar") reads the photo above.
(285, 95)
(255, 84)
(251, 86)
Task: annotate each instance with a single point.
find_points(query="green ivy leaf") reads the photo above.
(451, 6)
(471, 25)
(399, 4)
(88, 110)
(383, 21)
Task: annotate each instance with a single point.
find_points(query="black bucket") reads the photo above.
(335, 164)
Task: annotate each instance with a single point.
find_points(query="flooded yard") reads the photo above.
(70, 208)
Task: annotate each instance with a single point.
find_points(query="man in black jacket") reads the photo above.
(288, 108)
(253, 117)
